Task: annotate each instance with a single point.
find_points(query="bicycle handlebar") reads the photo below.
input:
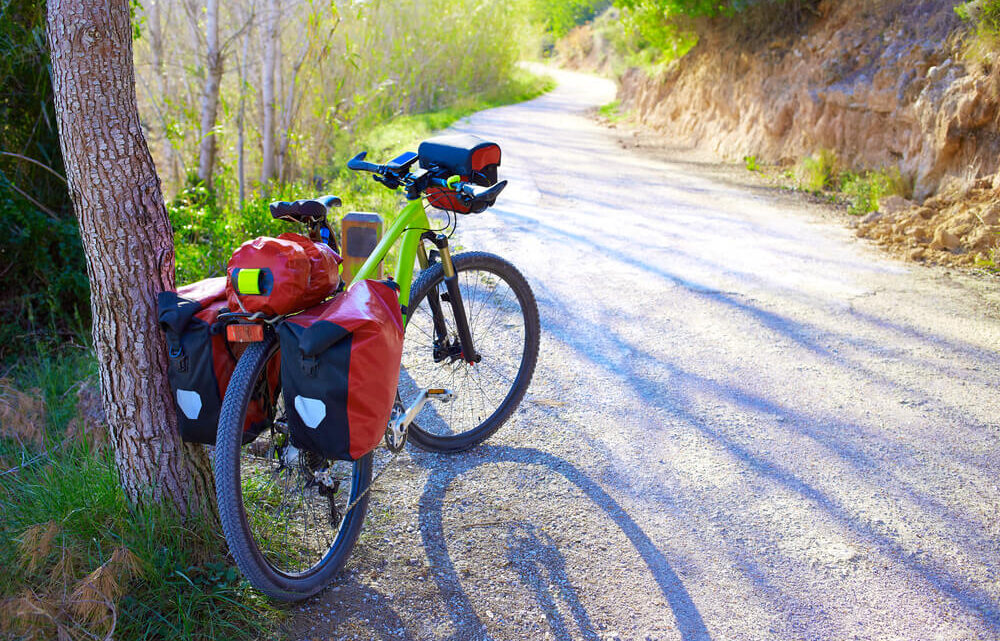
(393, 177)
(358, 163)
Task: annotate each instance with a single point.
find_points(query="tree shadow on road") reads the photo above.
(530, 553)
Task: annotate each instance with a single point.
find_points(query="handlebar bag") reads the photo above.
(474, 159)
(340, 369)
(282, 275)
(201, 361)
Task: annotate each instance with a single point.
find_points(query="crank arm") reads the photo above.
(401, 422)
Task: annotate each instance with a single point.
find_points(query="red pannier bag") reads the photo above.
(340, 367)
(201, 361)
(281, 275)
(465, 155)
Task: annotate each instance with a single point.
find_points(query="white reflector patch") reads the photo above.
(190, 403)
(312, 410)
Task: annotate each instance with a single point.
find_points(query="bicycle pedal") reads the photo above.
(441, 394)
(401, 419)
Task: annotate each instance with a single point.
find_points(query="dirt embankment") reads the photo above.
(883, 84)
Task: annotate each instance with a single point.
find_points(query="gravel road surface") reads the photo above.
(745, 423)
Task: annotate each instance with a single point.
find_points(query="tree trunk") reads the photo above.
(155, 20)
(241, 122)
(210, 93)
(129, 249)
(267, 93)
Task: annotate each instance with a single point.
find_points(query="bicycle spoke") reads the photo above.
(480, 389)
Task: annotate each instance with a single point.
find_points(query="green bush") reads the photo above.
(45, 295)
(866, 189)
(656, 32)
(984, 17)
(559, 16)
(818, 172)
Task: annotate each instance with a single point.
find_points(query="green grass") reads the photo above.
(751, 163)
(862, 191)
(176, 583)
(612, 112)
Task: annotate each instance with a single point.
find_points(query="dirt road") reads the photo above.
(745, 424)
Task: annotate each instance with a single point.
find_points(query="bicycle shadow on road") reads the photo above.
(533, 553)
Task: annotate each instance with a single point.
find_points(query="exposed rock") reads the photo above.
(872, 217)
(894, 205)
(881, 84)
(944, 239)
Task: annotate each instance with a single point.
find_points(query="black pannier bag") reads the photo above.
(340, 368)
(201, 361)
(474, 159)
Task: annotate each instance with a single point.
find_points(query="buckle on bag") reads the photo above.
(309, 365)
(179, 357)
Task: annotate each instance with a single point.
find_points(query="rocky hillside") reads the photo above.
(882, 83)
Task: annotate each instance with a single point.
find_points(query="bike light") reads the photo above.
(245, 333)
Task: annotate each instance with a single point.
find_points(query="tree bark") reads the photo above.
(129, 249)
(267, 93)
(210, 93)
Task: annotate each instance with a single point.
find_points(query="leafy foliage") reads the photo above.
(819, 171)
(433, 66)
(656, 32)
(560, 16)
(984, 17)
(45, 291)
(208, 226)
(864, 190)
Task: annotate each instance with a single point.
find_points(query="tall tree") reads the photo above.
(267, 94)
(129, 248)
(154, 21)
(210, 93)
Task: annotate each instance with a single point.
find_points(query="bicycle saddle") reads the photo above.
(304, 211)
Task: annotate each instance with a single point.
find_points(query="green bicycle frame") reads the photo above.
(409, 224)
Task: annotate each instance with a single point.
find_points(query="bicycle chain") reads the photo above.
(372, 484)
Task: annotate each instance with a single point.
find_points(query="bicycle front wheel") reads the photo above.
(503, 320)
(283, 510)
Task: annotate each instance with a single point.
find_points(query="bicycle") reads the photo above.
(290, 517)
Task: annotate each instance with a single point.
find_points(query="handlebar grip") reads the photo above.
(475, 192)
(358, 163)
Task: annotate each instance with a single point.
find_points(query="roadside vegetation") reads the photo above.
(984, 18)
(652, 34)
(821, 174)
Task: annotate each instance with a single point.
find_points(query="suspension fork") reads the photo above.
(469, 353)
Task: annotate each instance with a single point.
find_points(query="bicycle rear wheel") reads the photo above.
(283, 510)
(503, 320)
